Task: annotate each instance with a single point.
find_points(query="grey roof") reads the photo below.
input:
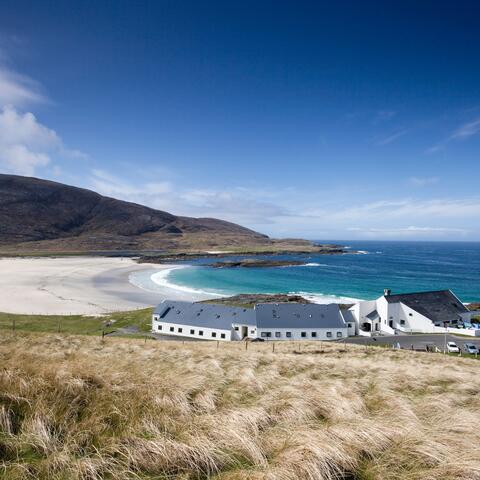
(438, 306)
(348, 316)
(204, 314)
(373, 315)
(296, 315)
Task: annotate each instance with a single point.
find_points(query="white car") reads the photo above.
(470, 348)
(452, 347)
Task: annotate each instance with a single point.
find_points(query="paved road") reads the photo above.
(419, 341)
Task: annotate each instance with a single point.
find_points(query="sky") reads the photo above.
(321, 120)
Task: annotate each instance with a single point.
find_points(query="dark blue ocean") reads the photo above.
(399, 266)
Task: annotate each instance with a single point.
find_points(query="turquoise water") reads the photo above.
(400, 266)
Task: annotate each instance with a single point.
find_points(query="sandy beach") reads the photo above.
(78, 285)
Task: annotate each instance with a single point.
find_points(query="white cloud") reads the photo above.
(463, 132)
(408, 232)
(467, 130)
(289, 212)
(19, 159)
(26, 144)
(19, 90)
(18, 128)
(390, 138)
(112, 186)
(240, 205)
(423, 181)
(386, 210)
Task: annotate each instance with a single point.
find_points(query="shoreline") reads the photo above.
(98, 286)
(77, 286)
(314, 297)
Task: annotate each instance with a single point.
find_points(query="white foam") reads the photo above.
(161, 279)
(312, 264)
(322, 298)
(363, 252)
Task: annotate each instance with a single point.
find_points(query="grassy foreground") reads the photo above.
(73, 407)
(140, 320)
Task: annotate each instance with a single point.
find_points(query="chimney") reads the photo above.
(386, 292)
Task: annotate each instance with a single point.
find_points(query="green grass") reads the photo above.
(77, 324)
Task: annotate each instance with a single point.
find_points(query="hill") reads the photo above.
(78, 408)
(40, 215)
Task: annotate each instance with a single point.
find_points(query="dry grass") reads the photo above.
(74, 408)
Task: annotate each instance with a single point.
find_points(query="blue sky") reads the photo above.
(327, 120)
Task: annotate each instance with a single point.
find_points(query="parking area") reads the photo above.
(416, 341)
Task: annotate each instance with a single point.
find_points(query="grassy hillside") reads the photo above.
(72, 407)
(140, 320)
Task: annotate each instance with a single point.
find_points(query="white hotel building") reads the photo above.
(268, 321)
(423, 312)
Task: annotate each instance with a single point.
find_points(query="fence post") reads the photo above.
(246, 345)
(218, 344)
(273, 347)
(13, 324)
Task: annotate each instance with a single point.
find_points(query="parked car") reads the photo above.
(452, 347)
(470, 348)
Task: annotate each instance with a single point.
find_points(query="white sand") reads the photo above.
(77, 285)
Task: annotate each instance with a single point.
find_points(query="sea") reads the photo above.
(399, 266)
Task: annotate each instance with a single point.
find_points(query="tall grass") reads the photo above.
(76, 408)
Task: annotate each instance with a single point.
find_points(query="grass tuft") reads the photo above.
(73, 407)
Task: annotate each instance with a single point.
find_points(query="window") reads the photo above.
(266, 334)
(339, 335)
(288, 334)
(164, 314)
(159, 327)
(329, 334)
(172, 329)
(410, 314)
(349, 325)
(192, 332)
(200, 332)
(278, 334)
(214, 334)
(222, 335)
(252, 331)
(314, 334)
(303, 334)
(180, 330)
(402, 322)
(236, 328)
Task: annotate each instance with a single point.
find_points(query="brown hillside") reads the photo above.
(40, 215)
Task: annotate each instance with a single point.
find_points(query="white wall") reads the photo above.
(297, 333)
(460, 331)
(414, 321)
(361, 310)
(237, 334)
(185, 331)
